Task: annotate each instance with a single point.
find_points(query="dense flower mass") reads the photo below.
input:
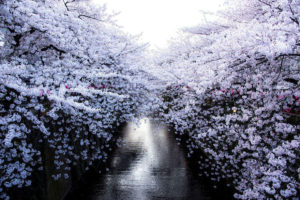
(234, 96)
(68, 78)
(229, 90)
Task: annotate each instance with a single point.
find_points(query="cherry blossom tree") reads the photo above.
(234, 96)
(69, 77)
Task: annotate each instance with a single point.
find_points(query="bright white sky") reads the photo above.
(159, 20)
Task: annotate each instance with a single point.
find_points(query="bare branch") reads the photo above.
(280, 69)
(67, 2)
(265, 3)
(90, 17)
(289, 55)
(294, 19)
(66, 5)
(53, 47)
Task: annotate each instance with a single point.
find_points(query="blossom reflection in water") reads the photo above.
(149, 166)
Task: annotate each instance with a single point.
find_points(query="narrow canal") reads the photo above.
(149, 166)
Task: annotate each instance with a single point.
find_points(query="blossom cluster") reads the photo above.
(58, 109)
(249, 138)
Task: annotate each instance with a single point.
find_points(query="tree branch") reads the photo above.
(265, 3)
(67, 2)
(288, 55)
(53, 47)
(82, 15)
(280, 68)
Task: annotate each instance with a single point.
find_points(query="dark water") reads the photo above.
(150, 166)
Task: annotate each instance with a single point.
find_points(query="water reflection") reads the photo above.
(149, 166)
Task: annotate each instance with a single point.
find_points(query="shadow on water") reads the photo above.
(149, 166)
